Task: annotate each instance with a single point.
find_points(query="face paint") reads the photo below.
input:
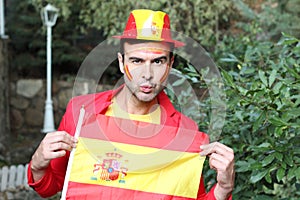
(146, 68)
(152, 51)
(164, 77)
(166, 74)
(129, 76)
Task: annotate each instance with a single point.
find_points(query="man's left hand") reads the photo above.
(221, 159)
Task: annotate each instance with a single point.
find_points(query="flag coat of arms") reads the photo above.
(124, 159)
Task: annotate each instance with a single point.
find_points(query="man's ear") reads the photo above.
(121, 62)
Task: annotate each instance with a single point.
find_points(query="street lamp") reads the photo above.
(49, 16)
(2, 20)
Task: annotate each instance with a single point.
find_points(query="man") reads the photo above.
(145, 61)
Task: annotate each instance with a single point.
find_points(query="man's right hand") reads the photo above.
(54, 145)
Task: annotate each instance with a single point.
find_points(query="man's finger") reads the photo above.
(51, 155)
(215, 147)
(215, 164)
(59, 136)
(219, 162)
(59, 146)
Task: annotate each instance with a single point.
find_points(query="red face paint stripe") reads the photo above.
(153, 52)
(164, 77)
(127, 73)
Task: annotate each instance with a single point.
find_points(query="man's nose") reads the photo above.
(147, 71)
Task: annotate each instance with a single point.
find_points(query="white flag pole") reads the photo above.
(77, 133)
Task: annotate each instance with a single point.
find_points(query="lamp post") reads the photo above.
(2, 20)
(49, 16)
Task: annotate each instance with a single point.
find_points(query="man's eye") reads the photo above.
(137, 61)
(158, 62)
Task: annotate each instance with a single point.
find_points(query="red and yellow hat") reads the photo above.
(151, 25)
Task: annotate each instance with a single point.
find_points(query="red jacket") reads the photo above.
(53, 180)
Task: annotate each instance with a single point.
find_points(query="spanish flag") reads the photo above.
(124, 159)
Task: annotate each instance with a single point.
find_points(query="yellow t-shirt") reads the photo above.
(114, 110)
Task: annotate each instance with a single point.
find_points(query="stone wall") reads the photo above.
(22, 193)
(27, 103)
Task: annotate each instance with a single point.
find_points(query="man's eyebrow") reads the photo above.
(134, 58)
(160, 58)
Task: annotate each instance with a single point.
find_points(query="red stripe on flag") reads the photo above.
(81, 191)
(143, 134)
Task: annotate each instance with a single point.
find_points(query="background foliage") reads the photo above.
(28, 40)
(255, 44)
(262, 78)
(263, 118)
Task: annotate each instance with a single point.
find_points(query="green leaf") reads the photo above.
(248, 71)
(283, 165)
(263, 197)
(291, 173)
(287, 40)
(292, 71)
(191, 68)
(268, 160)
(279, 156)
(242, 166)
(297, 173)
(242, 90)
(228, 78)
(263, 77)
(268, 177)
(265, 144)
(272, 77)
(245, 9)
(277, 87)
(228, 60)
(256, 166)
(258, 123)
(288, 160)
(277, 121)
(278, 131)
(238, 114)
(258, 176)
(280, 174)
(178, 82)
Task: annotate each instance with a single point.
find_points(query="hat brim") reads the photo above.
(175, 42)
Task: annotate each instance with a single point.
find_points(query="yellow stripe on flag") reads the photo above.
(137, 167)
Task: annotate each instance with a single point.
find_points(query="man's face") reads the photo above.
(146, 68)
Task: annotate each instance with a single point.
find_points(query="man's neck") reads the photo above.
(129, 103)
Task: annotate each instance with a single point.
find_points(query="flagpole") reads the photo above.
(77, 133)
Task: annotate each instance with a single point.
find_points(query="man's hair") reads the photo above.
(135, 41)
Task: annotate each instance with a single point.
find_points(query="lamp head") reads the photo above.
(49, 15)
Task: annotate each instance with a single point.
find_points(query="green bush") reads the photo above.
(263, 121)
(262, 87)
(262, 84)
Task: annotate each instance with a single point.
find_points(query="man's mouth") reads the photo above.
(146, 88)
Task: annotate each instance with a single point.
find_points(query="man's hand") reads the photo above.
(221, 159)
(54, 145)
